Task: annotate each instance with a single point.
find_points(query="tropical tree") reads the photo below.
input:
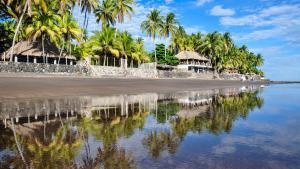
(6, 35)
(228, 41)
(139, 51)
(123, 8)
(125, 45)
(87, 6)
(105, 13)
(26, 7)
(178, 39)
(152, 26)
(213, 47)
(44, 26)
(103, 42)
(69, 30)
(169, 27)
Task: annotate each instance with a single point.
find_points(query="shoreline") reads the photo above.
(18, 87)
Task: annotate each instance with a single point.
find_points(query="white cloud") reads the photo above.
(202, 2)
(273, 22)
(220, 11)
(194, 29)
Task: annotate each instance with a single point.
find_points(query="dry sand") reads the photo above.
(33, 87)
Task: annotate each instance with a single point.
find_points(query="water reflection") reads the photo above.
(87, 132)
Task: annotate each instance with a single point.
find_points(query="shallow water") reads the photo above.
(249, 127)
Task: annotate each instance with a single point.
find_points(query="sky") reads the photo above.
(268, 27)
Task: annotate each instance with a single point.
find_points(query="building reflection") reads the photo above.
(83, 132)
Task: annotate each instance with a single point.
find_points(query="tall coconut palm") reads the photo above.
(105, 13)
(103, 42)
(69, 30)
(169, 27)
(87, 6)
(26, 6)
(213, 47)
(125, 45)
(139, 52)
(259, 60)
(43, 26)
(123, 8)
(228, 41)
(152, 26)
(177, 39)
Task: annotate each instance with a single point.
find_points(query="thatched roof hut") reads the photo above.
(189, 55)
(34, 49)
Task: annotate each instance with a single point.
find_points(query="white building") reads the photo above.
(192, 61)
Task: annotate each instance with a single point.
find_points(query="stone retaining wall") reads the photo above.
(145, 71)
(104, 71)
(81, 70)
(184, 74)
(22, 67)
(227, 76)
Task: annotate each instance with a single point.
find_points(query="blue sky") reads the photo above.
(269, 27)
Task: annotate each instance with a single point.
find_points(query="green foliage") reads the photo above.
(169, 59)
(6, 35)
(220, 49)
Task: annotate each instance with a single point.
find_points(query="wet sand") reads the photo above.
(35, 87)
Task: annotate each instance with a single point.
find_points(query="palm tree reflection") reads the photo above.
(216, 119)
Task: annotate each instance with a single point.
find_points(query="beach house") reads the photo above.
(32, 52)
(192, 61)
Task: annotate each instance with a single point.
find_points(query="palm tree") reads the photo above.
(213, 46)
(125, 45)
(43, 25)
(259, 60)
(152, 26)
(170, 26)
(70, 30)
(104, 42)
(6, 35)
(87, 6)
(228, 41)
(123, 8)
(105, 13)
(178, 39)
(139, 52)
(26, 6)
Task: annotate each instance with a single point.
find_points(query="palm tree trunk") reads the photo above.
(70, 52)
(43, 46)
(125, 65)
(84, 23)
(155, 51)
(17, 31)
(60, 53)
(166, 49)
(104, 58)
(18, 143)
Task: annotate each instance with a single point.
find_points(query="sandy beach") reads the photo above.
(43, 86)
